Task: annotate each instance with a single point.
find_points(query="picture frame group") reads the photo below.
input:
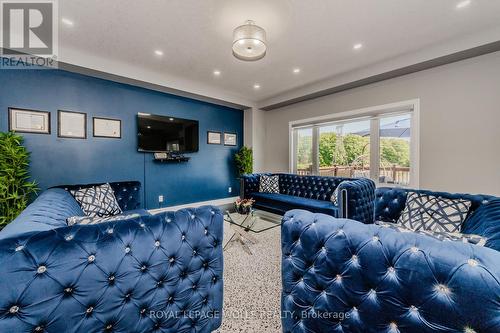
(219, 138)
(70, 124)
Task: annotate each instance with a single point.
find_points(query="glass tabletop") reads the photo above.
(257, 221)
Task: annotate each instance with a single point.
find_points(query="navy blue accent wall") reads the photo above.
(57, 161)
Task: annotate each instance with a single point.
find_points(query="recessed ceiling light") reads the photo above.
(256, 86)
(463, 4)
(357, 46)
(67, 22)
(296, 70)
(159, 52)
(216, 72)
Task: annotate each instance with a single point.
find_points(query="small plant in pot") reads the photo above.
(244, 206)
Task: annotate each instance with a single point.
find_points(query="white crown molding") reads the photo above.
(395, 63)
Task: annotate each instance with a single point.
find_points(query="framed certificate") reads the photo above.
(29, 121)
(230, 139)
(107, 128)
(71, 124)
(214, 138)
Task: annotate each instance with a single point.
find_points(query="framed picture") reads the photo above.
(29, 121)
(71, 124)
(107, 128)
(214, 138)
(229, 139)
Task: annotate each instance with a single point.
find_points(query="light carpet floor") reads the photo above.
(252, 284)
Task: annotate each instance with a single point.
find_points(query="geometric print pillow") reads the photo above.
(97, 201)
(269, 184)
(431, 213)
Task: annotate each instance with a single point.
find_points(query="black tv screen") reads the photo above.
(167, 134)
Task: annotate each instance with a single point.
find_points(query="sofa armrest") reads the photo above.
(342, 275)
(357, 198)
(150, 273)
(485, 221)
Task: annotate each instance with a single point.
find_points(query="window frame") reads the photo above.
(374, 114)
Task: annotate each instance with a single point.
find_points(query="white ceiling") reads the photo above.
(120, 37)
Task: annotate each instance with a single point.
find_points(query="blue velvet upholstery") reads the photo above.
(314, 193)
(483, 218)
(485, 221)
(152, 273)
(390, 202)
(282, 203)
(50, 210)
(380, 280)
(357, 199)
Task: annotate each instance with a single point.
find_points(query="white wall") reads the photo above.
(255, 136)
(459, 122)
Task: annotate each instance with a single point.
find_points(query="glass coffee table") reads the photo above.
(245, 224)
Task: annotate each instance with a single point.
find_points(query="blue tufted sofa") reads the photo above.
(147, 273)
(483, 217)
(313, 193)
(340, 275)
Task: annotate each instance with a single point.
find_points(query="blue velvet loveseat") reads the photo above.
(313, 193)
(340, 275)
(146, 273)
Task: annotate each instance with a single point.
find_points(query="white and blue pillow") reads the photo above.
(97, 201)
(431, 213)
(269, 184)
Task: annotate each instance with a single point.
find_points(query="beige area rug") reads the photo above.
(252, 284)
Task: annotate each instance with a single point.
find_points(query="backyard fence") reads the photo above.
(392, 175)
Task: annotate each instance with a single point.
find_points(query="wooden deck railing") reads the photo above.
(392, 175)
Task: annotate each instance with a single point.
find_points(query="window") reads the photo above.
(380, 144)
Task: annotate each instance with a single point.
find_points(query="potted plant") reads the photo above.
(244, 160)
(244, 206)
(15, 187)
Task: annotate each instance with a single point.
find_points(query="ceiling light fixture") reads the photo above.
(256, 86)
(296, 70)
(67, 22)
(249, 42)
(357, 46)
(159, 52)
(216, 72)
(463, 4)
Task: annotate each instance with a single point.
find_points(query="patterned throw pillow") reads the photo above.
(442, 236)
(87, 220)
(269, 184)
(431, 213)
(97, 201)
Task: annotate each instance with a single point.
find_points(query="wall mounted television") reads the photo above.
(167, 134)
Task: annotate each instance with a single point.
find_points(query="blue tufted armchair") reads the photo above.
(340, 275)
(146, 273)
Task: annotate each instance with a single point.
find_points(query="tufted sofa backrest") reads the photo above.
(390, 202)
(156, 273)
(127, 193)
(312, 187)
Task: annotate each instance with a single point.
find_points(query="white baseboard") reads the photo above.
(217, 202)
